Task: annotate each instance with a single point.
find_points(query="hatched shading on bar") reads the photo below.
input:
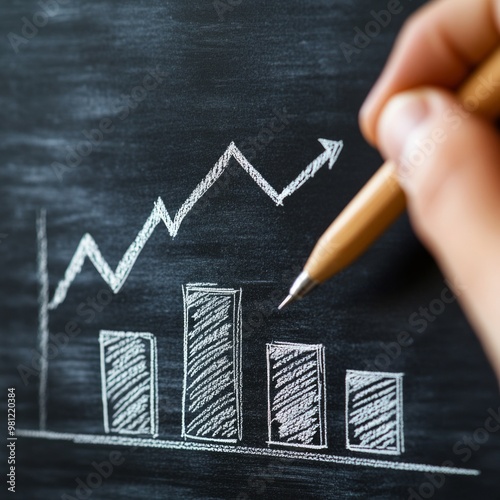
(129, 382)
(296, 395)
(212, 364)
(374, 412)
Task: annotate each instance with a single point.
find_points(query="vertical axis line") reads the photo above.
(43, 315)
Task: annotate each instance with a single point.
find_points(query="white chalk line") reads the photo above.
(87, 246)
(43, 315)
(244, 450)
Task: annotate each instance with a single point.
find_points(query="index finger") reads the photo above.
(438, 46)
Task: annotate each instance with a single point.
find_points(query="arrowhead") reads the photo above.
(333, 149)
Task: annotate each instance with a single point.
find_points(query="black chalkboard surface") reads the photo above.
(162, 182)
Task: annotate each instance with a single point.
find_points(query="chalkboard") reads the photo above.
(166, 167)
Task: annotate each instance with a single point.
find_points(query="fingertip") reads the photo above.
(432, 50)
(408, 120)
(370, 110)
(398, 119)
(366, 123)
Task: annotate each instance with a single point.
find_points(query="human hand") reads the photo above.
(448, 160)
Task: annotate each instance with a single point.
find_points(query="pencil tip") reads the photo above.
(288, 300)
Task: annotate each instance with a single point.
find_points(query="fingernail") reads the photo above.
(402, 115)
(364, 114)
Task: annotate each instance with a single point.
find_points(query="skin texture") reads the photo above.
(449, 161)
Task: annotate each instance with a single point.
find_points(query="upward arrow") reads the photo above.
(330, 155)
(115, 279)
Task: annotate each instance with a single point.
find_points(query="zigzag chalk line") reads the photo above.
(115, 279)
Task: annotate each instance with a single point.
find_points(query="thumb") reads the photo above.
(449, 166)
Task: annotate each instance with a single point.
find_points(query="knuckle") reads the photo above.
(416, 26)
(443, 176)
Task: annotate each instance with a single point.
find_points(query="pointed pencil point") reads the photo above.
(288, 300)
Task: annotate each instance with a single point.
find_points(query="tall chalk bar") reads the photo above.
(212, 364)
(129, 382)
(296, 395)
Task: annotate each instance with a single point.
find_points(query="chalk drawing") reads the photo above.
(296, 395)
(115, 279)
(211, 397)
(108, 440)
(129, 382)
(43, 316)
(374, 412)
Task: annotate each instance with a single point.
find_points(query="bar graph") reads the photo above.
(211, 415)
(212, 364)
(212, 418)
